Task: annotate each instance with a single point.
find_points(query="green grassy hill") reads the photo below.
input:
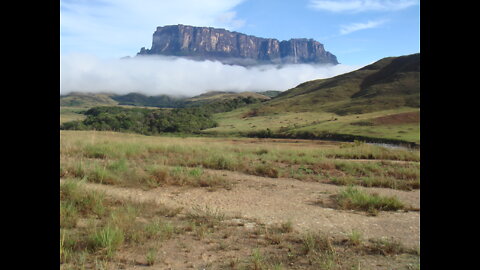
(381, 100)
(270, 93)
(86, 100)
(161, 101)
(392, 82)
(221, 96)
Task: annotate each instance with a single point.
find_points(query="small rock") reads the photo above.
(249, 226)
(235, 222)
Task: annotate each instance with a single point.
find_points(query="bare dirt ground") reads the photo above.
(276, 200)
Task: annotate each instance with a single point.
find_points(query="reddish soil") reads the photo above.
(395, 119)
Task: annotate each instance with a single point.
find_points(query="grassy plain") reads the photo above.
(68, 114)
(405, 128)
(133, 160)
(103, 232)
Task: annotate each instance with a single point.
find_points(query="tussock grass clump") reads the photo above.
(266, 170)
(319, 250)
(203, 221)
(316, 243)
(214, 181)
(159, 230)
(99, 151)
(219, 162)
(75, 199)
(276, 233)
(261, 260)
(107, 239)
(205, 217)
(158, 176)
(151, 256)
(286, 227)
(119, 166)
(76, 170)
(100, 174)
(355, 238)
(385, 247)
(279, 228)
(355, 199)
(257, 260)
(68, 215)
(124, 219)
(262, 151)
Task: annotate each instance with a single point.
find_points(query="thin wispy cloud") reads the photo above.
(117, 28)
(229, 18)
(353, 27)
(355, 6)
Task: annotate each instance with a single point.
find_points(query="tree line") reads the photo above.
(155, 121)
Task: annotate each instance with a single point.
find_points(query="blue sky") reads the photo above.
(358, 32)
(95, 34)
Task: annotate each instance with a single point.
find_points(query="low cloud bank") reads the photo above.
(156, 75)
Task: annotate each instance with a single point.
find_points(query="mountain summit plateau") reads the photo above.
(207, 43)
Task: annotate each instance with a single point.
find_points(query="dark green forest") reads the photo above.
(155, 121)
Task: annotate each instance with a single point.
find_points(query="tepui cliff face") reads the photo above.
(207, 43)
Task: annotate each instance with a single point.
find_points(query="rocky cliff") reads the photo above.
(207, 43)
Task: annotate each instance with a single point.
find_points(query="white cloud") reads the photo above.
(155, 75)
(355, 6)
(347, 29)
(229, 18)
(115, 28)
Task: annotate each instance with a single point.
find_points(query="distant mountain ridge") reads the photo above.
(208, 43)
(161, 101)
(79, 99)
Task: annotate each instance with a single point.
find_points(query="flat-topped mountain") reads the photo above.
(207, 43)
